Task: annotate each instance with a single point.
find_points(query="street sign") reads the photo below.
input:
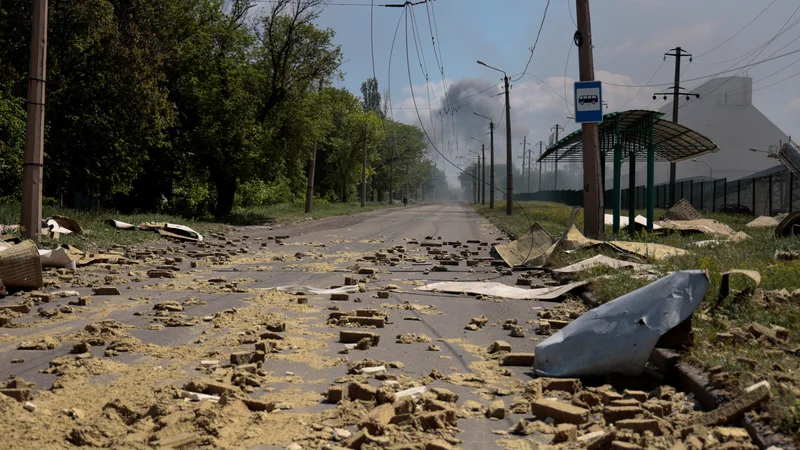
(588, 102)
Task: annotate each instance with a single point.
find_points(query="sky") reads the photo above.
(445, 38)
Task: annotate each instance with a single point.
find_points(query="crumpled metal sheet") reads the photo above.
(705, 226)
(530, 250)
(501, 290)
(619, 336)
(602, 260)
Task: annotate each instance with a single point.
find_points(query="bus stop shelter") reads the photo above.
(632, 135)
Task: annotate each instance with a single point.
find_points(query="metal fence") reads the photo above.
(768, 195)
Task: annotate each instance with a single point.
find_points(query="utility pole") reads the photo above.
(311, 167)
(676, 93)
(491, 161)
(34, 136)
(483, 174)
(509, 158)
(475, 182)
(593, 224)
(524, 145)
(540, 166)
(555, 162)
(364, 171)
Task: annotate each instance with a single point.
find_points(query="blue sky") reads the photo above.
(630, 38)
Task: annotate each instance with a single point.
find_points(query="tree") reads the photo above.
(371, 96)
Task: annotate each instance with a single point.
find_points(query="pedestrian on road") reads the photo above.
(405, 201)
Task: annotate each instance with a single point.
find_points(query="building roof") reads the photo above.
(672, 142)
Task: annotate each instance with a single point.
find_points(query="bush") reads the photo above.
(256, 192)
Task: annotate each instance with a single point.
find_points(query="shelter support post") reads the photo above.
(632, 189)
(651, 176)
(617, 184)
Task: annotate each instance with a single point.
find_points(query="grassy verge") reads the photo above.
(747, 361)
(99, 235)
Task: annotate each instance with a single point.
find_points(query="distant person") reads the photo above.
(405, 201)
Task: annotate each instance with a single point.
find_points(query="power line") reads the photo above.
(745, 55)
(710, 75)
(737, 33)
(538, 33)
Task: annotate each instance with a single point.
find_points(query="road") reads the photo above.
(234, 293)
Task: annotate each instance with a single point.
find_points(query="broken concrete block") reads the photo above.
(352, 337)
(377, 322)
(361, 391)
(383, 294)
(571, 385)
(335, 394)
(258, 405)
(499, 346)
(105, 290)
(638, 395)
(480, 321)
(239, 358)
(378, 419)
(20, 395)
(367, 271)
(565, 432)
(445, 395)
(517, 331)
(519, 359)
(617, 413)
(497, 410)
(437, 420)
(561, 412)
(640, 425)
(736, 409)
(340, 297)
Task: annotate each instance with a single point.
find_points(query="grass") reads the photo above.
(757, 253)
(99, 235)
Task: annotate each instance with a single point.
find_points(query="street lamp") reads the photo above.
(509, 157)
(710, 170)
(483, 171)
(491, 158)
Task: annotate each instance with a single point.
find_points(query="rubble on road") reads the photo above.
(502, 290)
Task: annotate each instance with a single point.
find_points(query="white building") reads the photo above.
(725, 114)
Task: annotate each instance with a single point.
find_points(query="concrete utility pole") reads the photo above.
(540, 166)
(311, 167)
(364, 171)
(34, 135)
(509, 157)
(491, 160)
(676, 92)
(483, 170)
(555, 162)
(593, 224)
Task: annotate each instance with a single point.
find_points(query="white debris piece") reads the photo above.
(411, 392)
(373, 370)
(30, 406)
(196, 396)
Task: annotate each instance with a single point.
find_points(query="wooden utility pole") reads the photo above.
(311, 167)
(491, 165)
(593, 224)
(34, 135)
(364, 171)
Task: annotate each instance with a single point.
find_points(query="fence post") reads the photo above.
(738, 194)
(769, 202)
(713, 195)
(702, 190)
(754, 196)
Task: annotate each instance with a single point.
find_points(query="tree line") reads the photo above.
(197, 107)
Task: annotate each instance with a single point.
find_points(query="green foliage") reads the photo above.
(194, 107)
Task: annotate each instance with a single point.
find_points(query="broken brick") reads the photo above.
(565, 432)
(437, 420)
(340, 297)
(640, 425)
(445, 395)
(497, 409)
(571, 385)
(499, 346)
(637, 395)
(335, 394)
(352, 337)
(105, 290)
(561, 412)
(362, 391)
(378, 419)
(736, 409)
(519, 359)
(377, 322)
(617, 413)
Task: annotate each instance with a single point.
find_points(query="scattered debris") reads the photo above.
(502, 290)
(619, 335)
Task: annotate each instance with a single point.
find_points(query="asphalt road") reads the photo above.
(345, 240)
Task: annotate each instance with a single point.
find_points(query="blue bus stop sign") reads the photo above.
(588, 102)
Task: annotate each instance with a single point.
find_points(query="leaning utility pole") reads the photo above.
(555, 162)
(364, 171)
(311, 166)
(676, 92)
(34, 136)
(593, 224)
